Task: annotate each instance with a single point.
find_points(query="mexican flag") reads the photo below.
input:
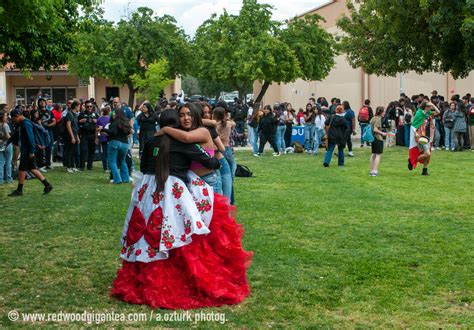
(418, 126)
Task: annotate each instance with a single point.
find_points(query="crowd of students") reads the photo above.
(82, 131)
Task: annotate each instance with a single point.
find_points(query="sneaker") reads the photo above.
(452, 149)
(111, 181)
(325, 164)
(410, 166)
(70, 170)
(256, 155)
(15, 193)
(424, 172)
(351, 154)
(43, 170)
(47, 189)
(361, 145)
(276, 154)
(48, 167)
(76, 170)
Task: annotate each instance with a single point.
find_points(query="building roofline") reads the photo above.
(330, 2)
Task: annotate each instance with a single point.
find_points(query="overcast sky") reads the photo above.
(191, 13)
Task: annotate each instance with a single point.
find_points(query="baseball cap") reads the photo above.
(15, 113)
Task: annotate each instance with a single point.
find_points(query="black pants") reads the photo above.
(289, 128)
(264, 138)
(87, 150)
(69, 153)
(349, 139)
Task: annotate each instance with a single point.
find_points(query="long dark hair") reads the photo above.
(168, 117)
(195, 115)
(123, 121)
(219, 114)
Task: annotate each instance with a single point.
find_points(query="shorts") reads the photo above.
(27, 163)
(424, 148)
(377, 146)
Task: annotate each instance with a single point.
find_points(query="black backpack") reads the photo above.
(243, 171)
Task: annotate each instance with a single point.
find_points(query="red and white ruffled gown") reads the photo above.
(181, 248)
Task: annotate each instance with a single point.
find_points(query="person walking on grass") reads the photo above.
(377, 144)
(420, 139)
(267, 129)
(26, 139)
(336, 127)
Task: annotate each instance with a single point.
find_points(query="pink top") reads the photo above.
(196, 165)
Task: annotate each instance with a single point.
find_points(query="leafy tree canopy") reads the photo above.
(39, 33)
(117, 52)
(239, 49)
(392, 36)
(150, 86)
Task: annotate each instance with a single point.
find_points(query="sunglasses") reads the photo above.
(89, 106)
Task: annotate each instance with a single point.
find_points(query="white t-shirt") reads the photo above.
(319, 121)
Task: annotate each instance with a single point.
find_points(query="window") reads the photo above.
(31, 94)
(58, 94)
(20, 96)
(71, 93)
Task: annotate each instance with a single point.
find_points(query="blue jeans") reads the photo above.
(253, 138)
(407, 134)
(308, 137)
(117, 151)
(233, 166)
(280, 137)
(103, 151)
(6, 157)
(212, 179)
(330, 151)
(449, 138)
(318, 135)
(226, 178)
(49, 148)
(362, 131)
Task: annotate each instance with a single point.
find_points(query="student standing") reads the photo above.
(377, 144)
(27, 153)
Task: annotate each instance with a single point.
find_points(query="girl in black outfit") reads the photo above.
(172, 256)
(267, 129)
(147, 121)
(336, 126)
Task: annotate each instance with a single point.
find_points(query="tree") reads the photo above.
(251, 46)
(117, 52)
(39, 34)
(392, 36)
(190, 85)
(150, 86)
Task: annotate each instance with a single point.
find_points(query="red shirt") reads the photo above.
(57, 116)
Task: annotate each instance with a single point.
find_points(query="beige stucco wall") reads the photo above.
(354, 86)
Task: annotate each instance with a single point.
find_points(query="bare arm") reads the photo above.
(220, 146)
(199, 135)
(209, 123)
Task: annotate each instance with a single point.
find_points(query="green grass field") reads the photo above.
(333, 247)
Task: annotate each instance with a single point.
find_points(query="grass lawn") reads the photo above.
(333, 246)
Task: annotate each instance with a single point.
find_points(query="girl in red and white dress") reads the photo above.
(180, 245)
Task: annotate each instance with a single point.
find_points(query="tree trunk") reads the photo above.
(242, 95)
(260, 96)
(131, 95)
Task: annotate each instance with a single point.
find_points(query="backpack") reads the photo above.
(42, 137)
(364, 114)
(368, 134)
(298, 147)
(243, 171)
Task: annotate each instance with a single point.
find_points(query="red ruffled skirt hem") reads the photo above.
(210, 271)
